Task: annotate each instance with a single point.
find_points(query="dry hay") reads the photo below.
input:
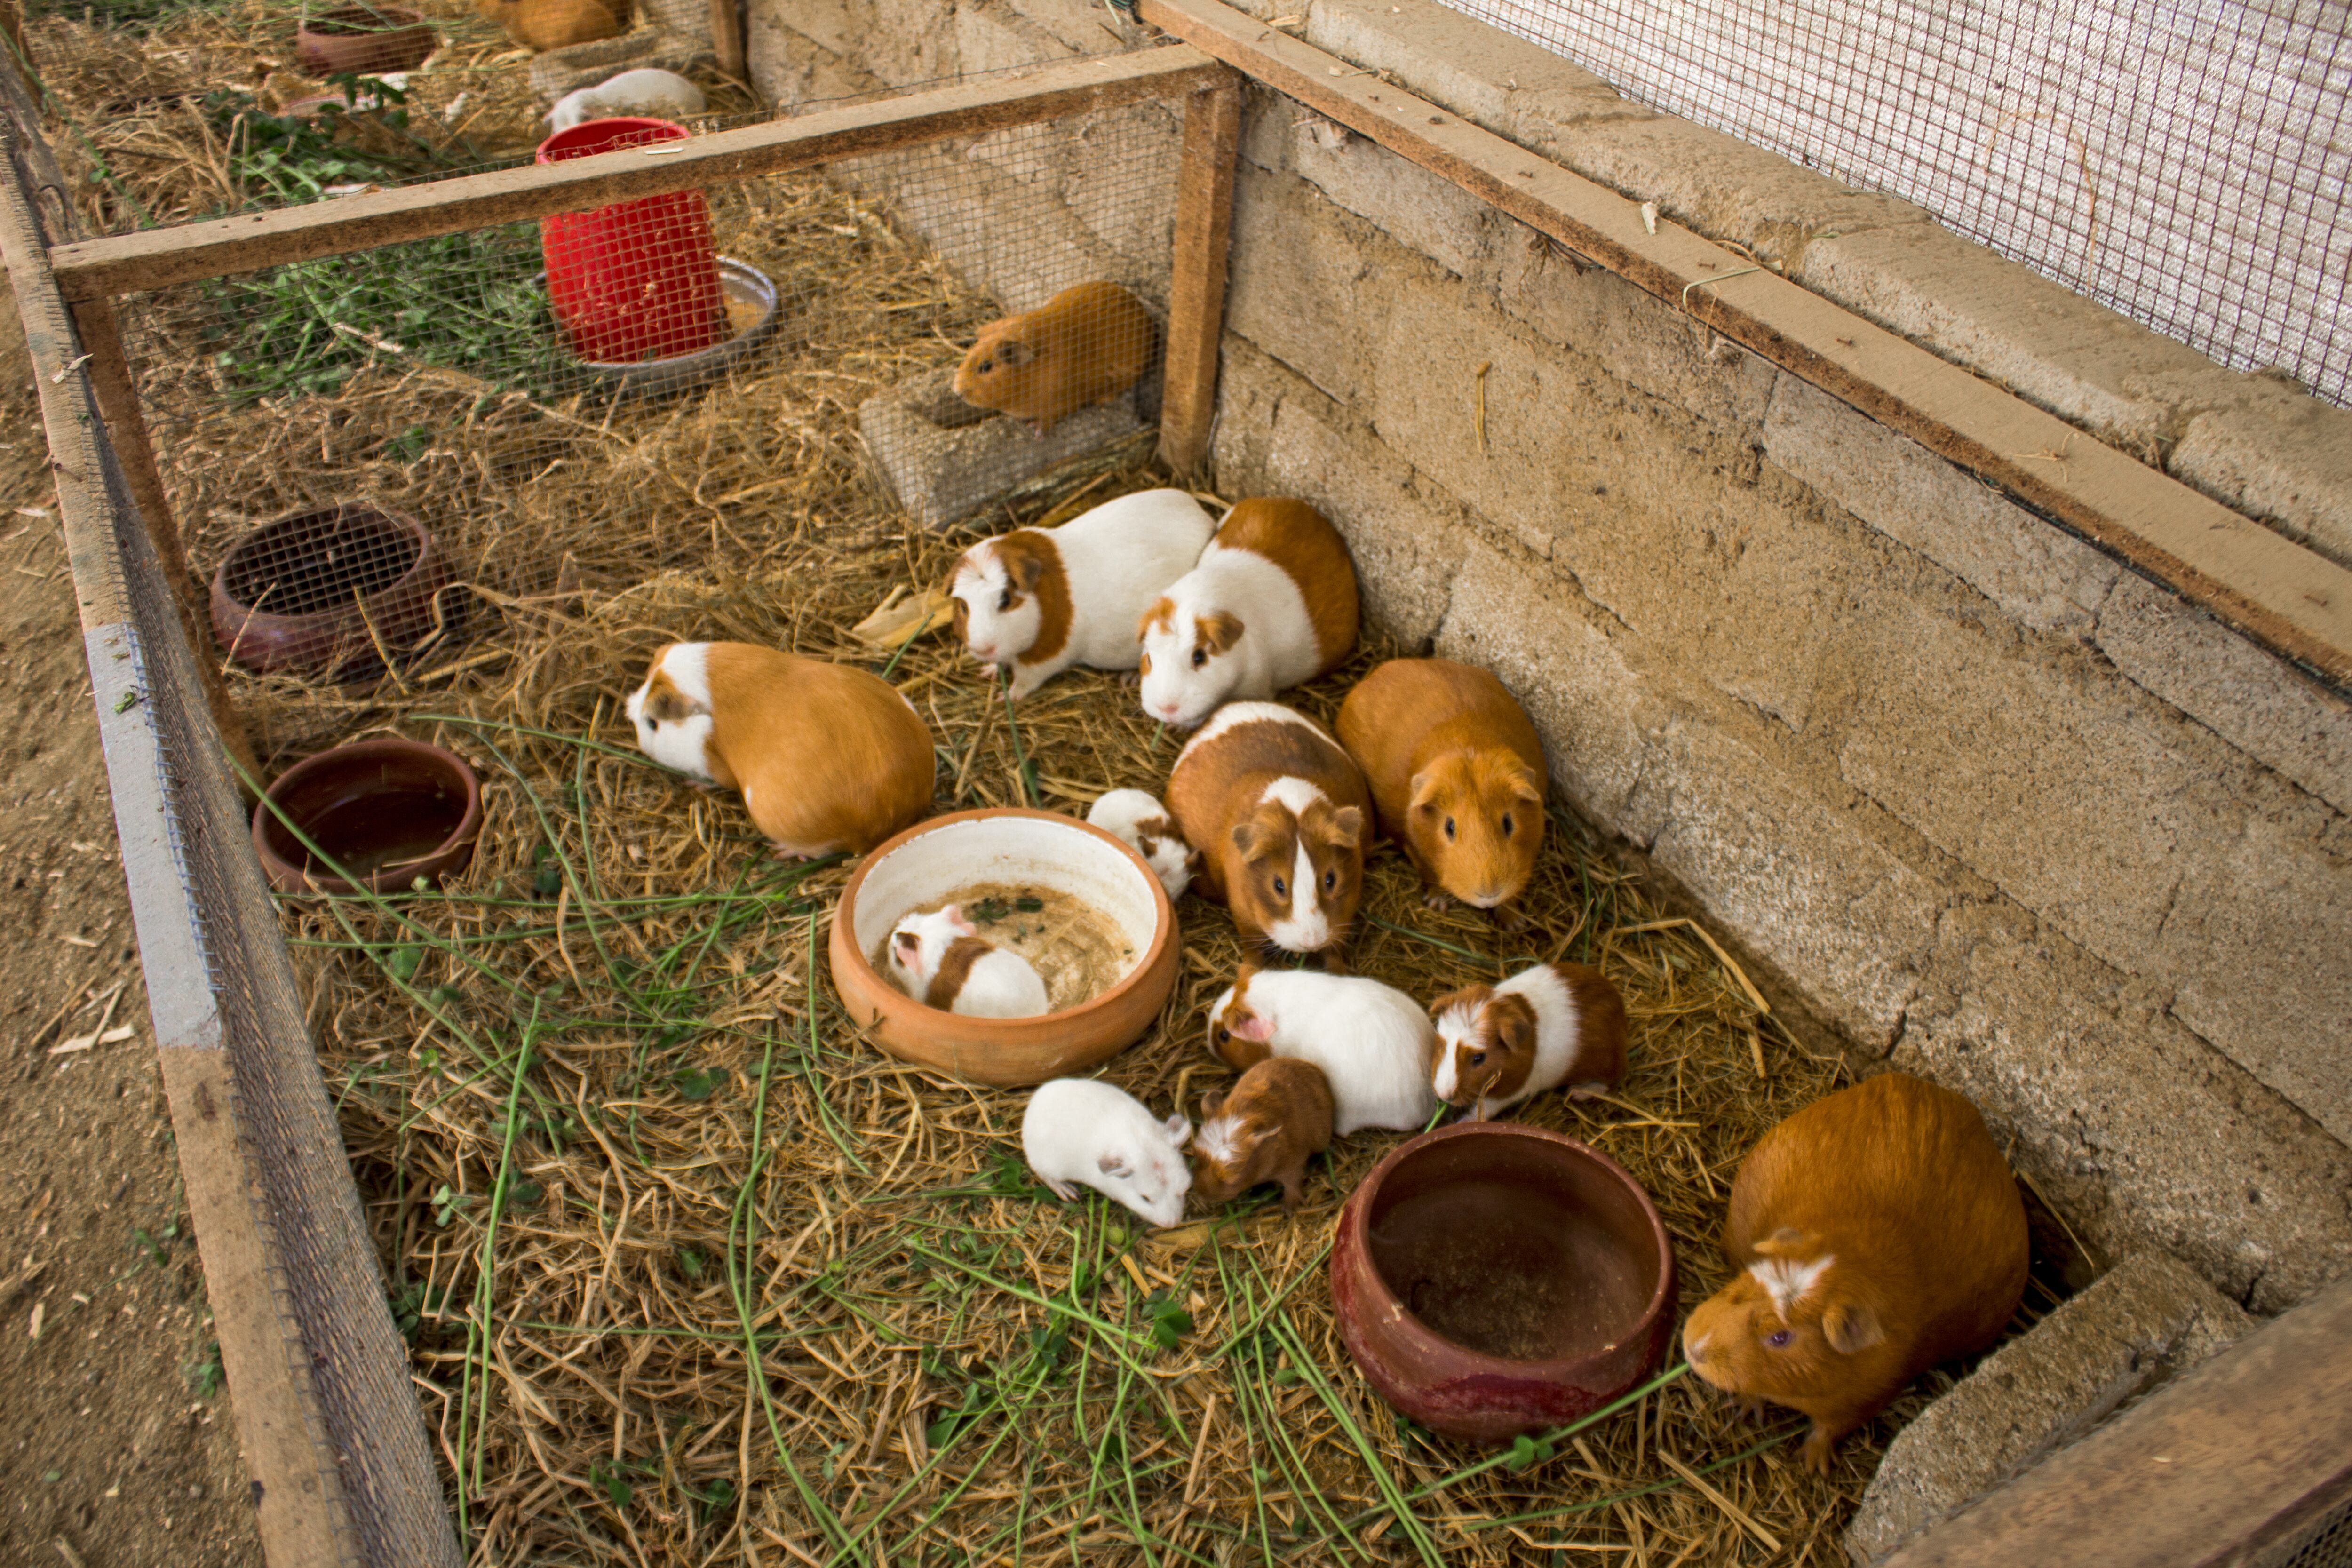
(614, 1135)
(135, 137)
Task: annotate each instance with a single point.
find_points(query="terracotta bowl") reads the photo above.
(372, 40)
(1036, 848)
(288, 597)
(388, 810)
(1492, 1279)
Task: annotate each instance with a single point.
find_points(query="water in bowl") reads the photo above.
(1509, 1270)
(382, 830)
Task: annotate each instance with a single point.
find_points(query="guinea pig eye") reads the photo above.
(1330, 880)
(1508, 825)
(1449, 830)
(1005, 601)
(1281, 889)
(1779, 1338)
(986, 365)
(1223, 1035)
(1200, 658)
(1478, 1058)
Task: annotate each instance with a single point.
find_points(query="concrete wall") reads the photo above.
(1975, 799)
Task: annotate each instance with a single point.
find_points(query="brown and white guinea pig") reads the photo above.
(828, 757)
(1087, 344)
(1042, 599)
(1372, 1041)
(1458, 776)
(1277, 814)
(544, 24)
(1137, 818)
(1272, 602)
(1276, 1117)
(941, 961)
(1555, 1024)
(1878, 1233)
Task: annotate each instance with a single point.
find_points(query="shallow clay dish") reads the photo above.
(370, 40)
(948, 854)
(288, 597)
(1492, 1279)
(389, 810)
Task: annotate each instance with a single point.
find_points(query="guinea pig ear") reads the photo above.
(1515, 1027)
(1180, 1128)
(1211, 1103)
(907, 943)
(1525, 787)
(1347, 827)
(1851, 1326)
(960, 921)
(1025, 569)
(1251, 839)
(1012, 351)
(1220, 630)
(1111, 1164)
(1788, 1242)
(1424, 792)
(1255, 1028)
(670, 705)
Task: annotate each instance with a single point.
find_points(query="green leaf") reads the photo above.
(1028, 906)
(717, 1498)
(402, 963)
(689, 1262)
(698, 1084)
(522, 1195)
(547, 872)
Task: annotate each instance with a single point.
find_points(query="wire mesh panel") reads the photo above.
(2183, 162)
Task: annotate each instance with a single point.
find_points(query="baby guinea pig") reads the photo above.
(1457, 774)
(1084, 345)
(828, 757)
(1371, 1041)
(1278, 814)
(941, 961)
(1878, 1233)
(1042, 599)
(1272, 602)
(1081, 1131)
(1278, 1116)
(1137, 818)
(1555, 1024)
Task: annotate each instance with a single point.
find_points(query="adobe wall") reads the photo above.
(1968, 795)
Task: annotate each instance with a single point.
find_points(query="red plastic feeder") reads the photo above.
(635, 280)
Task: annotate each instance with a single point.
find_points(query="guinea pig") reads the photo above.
(1457, 774)
(660, 94)
(828, 757)
(1877, 1233)
(1555, 1024)
(1372, 1041)
(1087, 344)
(1137, 817)
(1272, 602)
(544, 24)
(1042, 599)
(1085, 1131)
(1278, 1115)
(941, 961)
(1278, 812)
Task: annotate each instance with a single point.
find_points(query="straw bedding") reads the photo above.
(618, 1142)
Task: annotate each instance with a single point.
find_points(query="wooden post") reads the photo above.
(726, 39)
(118, 402)
(1196, 286)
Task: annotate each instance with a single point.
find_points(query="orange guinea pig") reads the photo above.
(828, 756)
(1277, 814)
(1265, 1131)
(544, 24)
(1458, 776)
(1087, 344)
(1878, 1233)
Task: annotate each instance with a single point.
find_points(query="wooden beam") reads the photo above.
(726, 39)
(158, 258)
(1196, 288)
(2291, 599)
(2242, 1454)
(118, 404)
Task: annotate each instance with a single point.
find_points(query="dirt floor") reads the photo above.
(117, 1447)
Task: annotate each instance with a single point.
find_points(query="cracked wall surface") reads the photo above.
(1971, 798)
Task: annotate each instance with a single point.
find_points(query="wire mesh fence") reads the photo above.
(2184, 164)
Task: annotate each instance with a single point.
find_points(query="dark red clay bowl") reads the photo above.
(933, 859)
(1492, 1279)
(389, 811)
(373, 40)
(299, 595)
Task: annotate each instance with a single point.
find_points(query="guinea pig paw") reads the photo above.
(1437, 899)
(1751, 1410)
(1818, 1452)
(1507, 919)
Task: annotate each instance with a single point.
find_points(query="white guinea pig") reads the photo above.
(663, 95)
(1042, 599)
(1137, 817)
(1372, 1041)
(1272, 602)
(941, 961)
(1085, 1131)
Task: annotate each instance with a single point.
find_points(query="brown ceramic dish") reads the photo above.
(370, 40)
(289, 596)
(936, 858)
(387, 810)
(1493, 1279)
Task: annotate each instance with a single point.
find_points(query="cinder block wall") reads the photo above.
(1970, 797)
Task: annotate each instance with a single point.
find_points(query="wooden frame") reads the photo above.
(2291, 599)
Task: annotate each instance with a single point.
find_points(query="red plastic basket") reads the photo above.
(635, 280)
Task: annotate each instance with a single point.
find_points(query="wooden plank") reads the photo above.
(2241, 1454)
(157, 258)
(118, 404)
(727, 38)
(1196, 288)
(2266, 585)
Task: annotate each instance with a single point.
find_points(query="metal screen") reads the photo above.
(2182, 161)
(2326, 1545)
